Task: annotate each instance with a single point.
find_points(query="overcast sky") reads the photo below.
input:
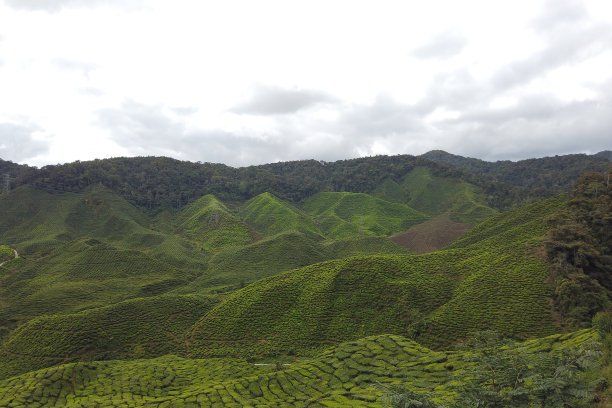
(251, 82)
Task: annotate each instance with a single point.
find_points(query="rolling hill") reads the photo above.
(270, 215)
(289, 263)
(209, 222)
(346, 215)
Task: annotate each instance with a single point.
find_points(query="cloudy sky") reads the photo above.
(250, 82)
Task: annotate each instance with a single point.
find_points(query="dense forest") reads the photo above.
(156, 183)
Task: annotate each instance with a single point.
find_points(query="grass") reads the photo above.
(347, 215)
(350, 374)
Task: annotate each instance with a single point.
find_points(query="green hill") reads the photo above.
(270, 215)
(239, 266)
(83, 274)
(350, 374)
(498, 282)
(345, 215)
(435, 195)
(136, 328)
(209, 222)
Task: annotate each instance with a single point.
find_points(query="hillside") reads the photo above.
(431, 235)
(435, 195)
(157, 183)
(498, 282)
(346, 215)
(136, 328)
(350, 374)
(209, 222)
(336, 269)
(492, 278)
(270, 215)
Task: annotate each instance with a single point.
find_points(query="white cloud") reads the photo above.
(336, 80)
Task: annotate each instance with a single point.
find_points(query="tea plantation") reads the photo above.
(263, 302)
(350, 374)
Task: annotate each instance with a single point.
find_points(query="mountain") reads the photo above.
(157, 183)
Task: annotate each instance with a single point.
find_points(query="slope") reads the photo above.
(83, 274)
(431, 235)
(209, 222)
(499, 281)
(270, 215)
(345, 215)
(136, 328)
(436, 195)
(238, 266)
(350, 374)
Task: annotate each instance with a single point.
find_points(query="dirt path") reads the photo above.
(16, 256)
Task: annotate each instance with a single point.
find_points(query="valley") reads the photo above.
(153, 282)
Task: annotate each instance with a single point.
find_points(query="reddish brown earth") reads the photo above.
(431, 235)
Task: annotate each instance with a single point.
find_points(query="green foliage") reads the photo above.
(270, 215)
(136, 328)
(399, 397)
(6, 253)
(505, 375)
(350, 374)
(347, 215)
(435, 195)
(269, 256)
(493, 278)
(209, 222)
(602, 322)
(579, 247)
(508, 184)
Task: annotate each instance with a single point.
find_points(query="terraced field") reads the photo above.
(350, 374)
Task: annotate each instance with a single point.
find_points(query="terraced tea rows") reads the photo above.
(270, 215)
(208, 221)
(435, 195)
(136, 328)
(350, 374)
(346, 215)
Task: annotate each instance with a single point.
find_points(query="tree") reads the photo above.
(505, 375)
(400, 397)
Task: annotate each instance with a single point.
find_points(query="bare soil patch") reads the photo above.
(431, 235)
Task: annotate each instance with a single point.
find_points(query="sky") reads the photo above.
(253, 82)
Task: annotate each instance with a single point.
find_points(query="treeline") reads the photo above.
(579, 248)
(156, 183)
(160, 182)
(526, 180)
